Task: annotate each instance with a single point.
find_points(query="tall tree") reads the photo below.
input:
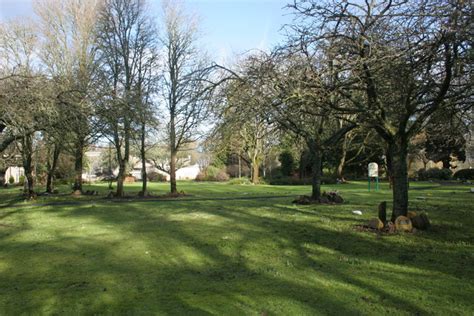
(298, 84)
(125, 42)
(68, 50)
(25, 95)
(243, 118)
(144, 91)
(185, 83)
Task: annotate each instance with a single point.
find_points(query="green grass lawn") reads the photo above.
(236, 254)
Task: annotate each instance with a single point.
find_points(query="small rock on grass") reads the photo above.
(357, 212)
(403, 223)
(421, 221)
(375, 223)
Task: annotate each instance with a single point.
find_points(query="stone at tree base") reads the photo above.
(383, 212)
(77, 192)
(324, 200)
(421, 221)
(391, 228)
(411, 214)
(331, 197)
(403, 223)
(337, 199)
(375, 223)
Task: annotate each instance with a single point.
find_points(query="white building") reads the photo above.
(15, 173)
(184, 173)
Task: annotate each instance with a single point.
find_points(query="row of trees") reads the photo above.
(90, 70)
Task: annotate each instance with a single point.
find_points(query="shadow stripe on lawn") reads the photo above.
(105, 201)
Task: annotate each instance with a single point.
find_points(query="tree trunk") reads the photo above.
(398, 151)
(255, 172)
(173, 150)
(240, 166)
(51, 166)
(173, 188)
(301, 167)
(27, 155)
(342, 161)
(30, 183)
(316, 157)
(120, 180)
(446, 162)
(78, 165)
(143, 158)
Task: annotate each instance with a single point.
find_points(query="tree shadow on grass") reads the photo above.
(191, 268)
(80, 275)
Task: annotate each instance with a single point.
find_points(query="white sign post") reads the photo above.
(373, 170)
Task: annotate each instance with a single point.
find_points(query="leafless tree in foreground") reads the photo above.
(185, 81)
(125, 44)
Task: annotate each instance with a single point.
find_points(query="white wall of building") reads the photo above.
(15, 172)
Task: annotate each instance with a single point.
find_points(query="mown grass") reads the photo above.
(235, 254)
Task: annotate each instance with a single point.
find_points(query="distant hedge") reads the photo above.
(434, 174)
(464, 174)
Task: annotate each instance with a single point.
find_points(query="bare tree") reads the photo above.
(243, 118)
(25, 97)
(145, 91)
(185, 81)
(68, 50)
(126, 41)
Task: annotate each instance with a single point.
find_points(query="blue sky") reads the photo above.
(228, 26)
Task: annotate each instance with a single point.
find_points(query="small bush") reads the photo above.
(222, 176)
(239, 181)
(434, 174)
(201, 176)
(156, 177)
(11, 180)
(464, 174)
(21, 180)
(212, 173)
